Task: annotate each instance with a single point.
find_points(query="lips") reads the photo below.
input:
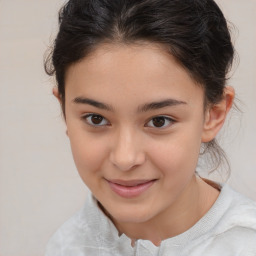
(130, 188)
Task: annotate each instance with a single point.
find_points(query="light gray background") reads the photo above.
(39, 184)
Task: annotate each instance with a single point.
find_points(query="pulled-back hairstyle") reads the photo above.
(195, 32)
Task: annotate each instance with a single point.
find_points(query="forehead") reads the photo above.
(118, 71)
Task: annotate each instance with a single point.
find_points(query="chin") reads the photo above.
(131, 216)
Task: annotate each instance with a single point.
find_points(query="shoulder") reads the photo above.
(229, 228)
(66, 235)
(240, 211)
(236, 227)
(77, 232)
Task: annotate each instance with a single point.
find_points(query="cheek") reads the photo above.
(176, 163)
(176, 156)
(88, 151)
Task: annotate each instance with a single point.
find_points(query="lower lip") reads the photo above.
(130, 192)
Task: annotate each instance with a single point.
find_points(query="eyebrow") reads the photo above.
(160, 104)
(94, 103)
(143, 108)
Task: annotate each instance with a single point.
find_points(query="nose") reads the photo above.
(126, 152)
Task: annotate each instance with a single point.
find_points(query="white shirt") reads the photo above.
(227, 229)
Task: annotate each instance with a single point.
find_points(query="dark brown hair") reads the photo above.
(195, 32)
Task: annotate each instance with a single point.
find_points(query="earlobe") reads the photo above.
(55, 92)
(216, 114)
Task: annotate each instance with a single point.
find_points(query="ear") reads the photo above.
(216, 114)
(55, 92)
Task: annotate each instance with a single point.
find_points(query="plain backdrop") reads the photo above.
(39, 184)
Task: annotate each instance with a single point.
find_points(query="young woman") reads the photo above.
(142, 85)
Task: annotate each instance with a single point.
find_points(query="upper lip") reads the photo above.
(129, 183)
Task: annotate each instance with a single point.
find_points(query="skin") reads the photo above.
(127, 145)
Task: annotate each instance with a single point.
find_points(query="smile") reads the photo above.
(130, 189)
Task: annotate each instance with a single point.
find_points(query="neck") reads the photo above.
(193, 203)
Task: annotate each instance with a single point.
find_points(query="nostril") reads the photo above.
(126, 152)
(124, 163)
(127, 162)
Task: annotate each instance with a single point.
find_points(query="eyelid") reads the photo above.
(171, 120)
(86, 116)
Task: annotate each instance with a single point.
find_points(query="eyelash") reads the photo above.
(86, 117)
(165, 118)
(107, 123)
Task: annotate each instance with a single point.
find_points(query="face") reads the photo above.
(135, 122)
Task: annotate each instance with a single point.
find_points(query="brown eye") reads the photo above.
(95, 120)
(160, 122)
